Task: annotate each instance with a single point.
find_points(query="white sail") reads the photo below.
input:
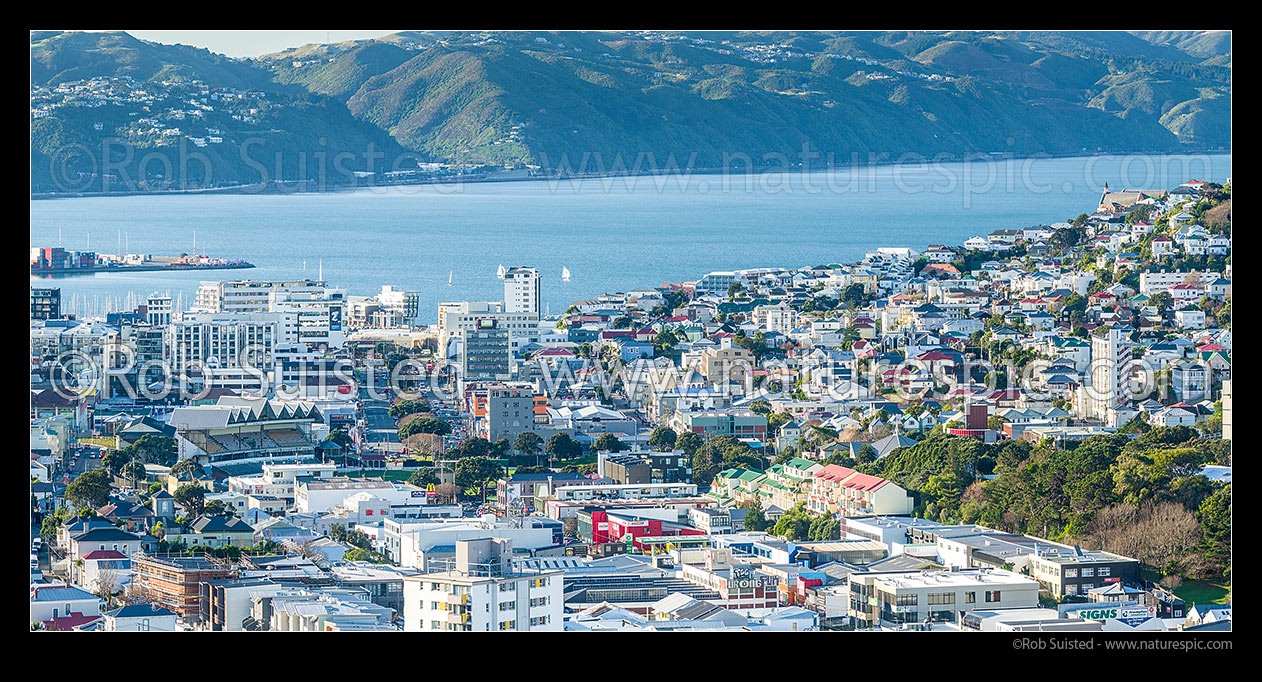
(565, 274)
(500, 273)
(449, 275)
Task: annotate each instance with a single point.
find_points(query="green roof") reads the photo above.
(800, 463)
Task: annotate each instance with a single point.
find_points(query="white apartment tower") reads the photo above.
(522, 291)
(482, 593)
(406, 303)
(1112, 364)
(158, 310)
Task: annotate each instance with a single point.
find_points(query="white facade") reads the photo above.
(452, 602)
(522, 291)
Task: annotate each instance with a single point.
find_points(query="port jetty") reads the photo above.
(59, 262)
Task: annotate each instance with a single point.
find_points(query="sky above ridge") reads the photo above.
(253, 43)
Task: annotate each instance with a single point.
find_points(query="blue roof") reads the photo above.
(139, 611)
(61, 594)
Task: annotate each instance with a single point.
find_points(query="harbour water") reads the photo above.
(613, 234)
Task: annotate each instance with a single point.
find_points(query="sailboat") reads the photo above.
(565, 274)
(449, 275)
(500, 273)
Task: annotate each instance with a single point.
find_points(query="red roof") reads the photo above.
(69, 622)
(104, 554)
(835, 472)
(554, 351)
(864, 482)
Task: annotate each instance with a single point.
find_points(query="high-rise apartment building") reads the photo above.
(522, 291)
(483, 593)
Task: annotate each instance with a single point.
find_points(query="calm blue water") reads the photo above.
(613, 234)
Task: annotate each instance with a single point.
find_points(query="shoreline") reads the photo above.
(270, 188)
(71, 272)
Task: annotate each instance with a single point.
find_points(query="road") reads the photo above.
(378, 424)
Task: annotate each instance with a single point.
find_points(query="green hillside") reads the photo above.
(118, 113)
(602, 101)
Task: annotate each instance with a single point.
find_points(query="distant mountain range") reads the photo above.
(597, 101)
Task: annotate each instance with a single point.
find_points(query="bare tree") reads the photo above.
(107, 584)
(1163, 535)
(448, 492)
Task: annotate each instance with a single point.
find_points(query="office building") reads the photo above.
(45, 303)
(890, 599)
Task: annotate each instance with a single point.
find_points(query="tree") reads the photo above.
(192, 498)
(608, 442)
(404, 408)
(155, 449)
(368, 555)
(341, 438)
(115, 460)
(501, 448)
(476, 471)
(106, 584)
(425, 476)
(1215, 516)
(448, 492)
(187, 465)
(473, 447)
(823, 528)
(664, 342)
(424, 425)
(90, 489)
(562, 447)
(217, 508)
(755, 517)
(794, 524)
(663, 438)
(528, 443)
(133, 470)
(689, 443)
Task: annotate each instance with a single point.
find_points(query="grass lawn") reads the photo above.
(1196, 591)
(1203, 592)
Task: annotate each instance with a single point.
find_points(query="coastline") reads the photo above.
(299, 187)
(71, 272)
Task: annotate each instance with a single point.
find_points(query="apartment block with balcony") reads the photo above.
(482, 593)
(846, 492)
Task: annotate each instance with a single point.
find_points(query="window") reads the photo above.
(1104, 571)
(1071, 573)
(992, 596)
(1088, 572)
(970, 597)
